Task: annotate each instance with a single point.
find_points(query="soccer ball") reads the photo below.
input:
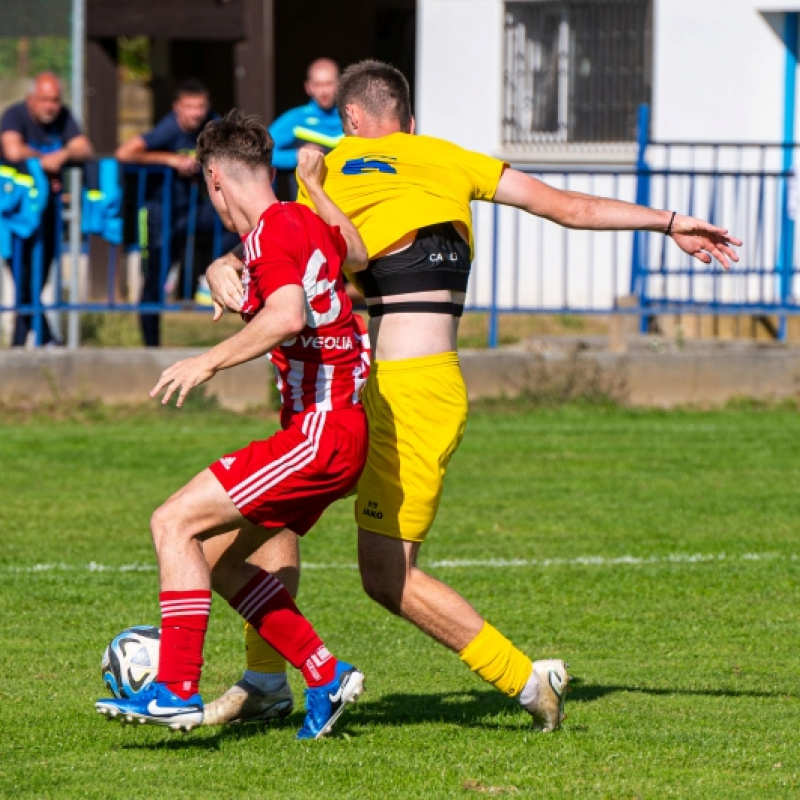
(130, 662)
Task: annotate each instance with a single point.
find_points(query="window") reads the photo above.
(575, 70)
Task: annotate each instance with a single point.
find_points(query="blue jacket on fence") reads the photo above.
(101, 204)
(24, 192)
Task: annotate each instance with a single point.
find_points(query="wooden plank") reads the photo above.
(255, 60)
(176, 19)
(102, 91)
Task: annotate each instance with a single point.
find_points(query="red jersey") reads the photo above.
(325, 366)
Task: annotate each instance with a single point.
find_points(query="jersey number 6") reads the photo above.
(314, 288)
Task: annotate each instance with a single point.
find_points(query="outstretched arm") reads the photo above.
(311, 170)
(79, 148)
(135, 151)
(576, 210)
(282, 316)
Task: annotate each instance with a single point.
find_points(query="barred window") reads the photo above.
(575, 70)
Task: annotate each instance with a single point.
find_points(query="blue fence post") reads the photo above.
(57, 277)
(16, 271)
(786, 247)
(166, 235)
(191, 231)
(638, 260)
(37, 276)
(493, 312)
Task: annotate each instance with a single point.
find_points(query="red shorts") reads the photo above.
(288, 480)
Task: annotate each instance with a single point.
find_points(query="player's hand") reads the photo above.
(225, 285)
(186, 166)
(52, 162)
(182, 376)
(701, 240)
(311, 167)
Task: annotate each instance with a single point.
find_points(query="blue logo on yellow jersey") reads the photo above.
(355, 166)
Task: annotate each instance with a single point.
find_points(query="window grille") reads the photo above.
(575, 70)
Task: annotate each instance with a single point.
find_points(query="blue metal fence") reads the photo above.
(749, 188)
(527, 265)
(137, 181)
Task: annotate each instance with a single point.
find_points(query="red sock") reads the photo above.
(184, 620)
(269, 608)
(319, 668)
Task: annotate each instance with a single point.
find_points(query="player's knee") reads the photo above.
(381, 594)
(380, 586)
(164, 526)
(383, 567)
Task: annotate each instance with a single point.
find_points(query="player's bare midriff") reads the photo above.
(413, 335)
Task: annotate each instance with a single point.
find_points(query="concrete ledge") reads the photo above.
(701, 376)
(120, 376)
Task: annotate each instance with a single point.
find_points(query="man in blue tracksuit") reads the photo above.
(316, 123)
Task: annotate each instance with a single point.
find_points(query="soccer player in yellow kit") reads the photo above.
(409, 197)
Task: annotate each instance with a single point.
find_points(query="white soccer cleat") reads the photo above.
(547, 706)
(244, 702)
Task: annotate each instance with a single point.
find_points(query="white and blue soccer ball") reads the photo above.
(130, 662)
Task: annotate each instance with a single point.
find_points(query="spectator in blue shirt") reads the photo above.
(42, 127)
(315, 124)
(172, 143)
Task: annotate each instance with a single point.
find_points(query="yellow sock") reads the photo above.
(261, 657)
(497, 661)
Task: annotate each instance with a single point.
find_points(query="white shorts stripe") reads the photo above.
(298, 453)
(272, 465)
(312, 425)
(269, 481)
(274, 473)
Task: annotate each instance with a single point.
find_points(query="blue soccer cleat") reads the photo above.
(155, 705)
(325, 704)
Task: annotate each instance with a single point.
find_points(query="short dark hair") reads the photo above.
(379, 88)
(191, 87)
(238, 137)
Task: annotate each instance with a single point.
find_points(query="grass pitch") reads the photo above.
(656, 552)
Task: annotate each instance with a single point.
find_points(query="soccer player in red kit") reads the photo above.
(298, 312)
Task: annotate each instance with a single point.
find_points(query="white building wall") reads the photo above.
(459, 71)
(718, 75)
(718, 70)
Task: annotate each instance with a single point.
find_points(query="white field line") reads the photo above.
(492, 563)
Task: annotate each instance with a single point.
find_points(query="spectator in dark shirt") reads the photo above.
(172, 143)
(42, 127)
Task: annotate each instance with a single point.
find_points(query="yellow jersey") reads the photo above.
(400, 183)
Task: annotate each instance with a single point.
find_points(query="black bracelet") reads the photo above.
(668, 231)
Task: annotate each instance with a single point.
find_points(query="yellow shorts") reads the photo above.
(417, 412)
